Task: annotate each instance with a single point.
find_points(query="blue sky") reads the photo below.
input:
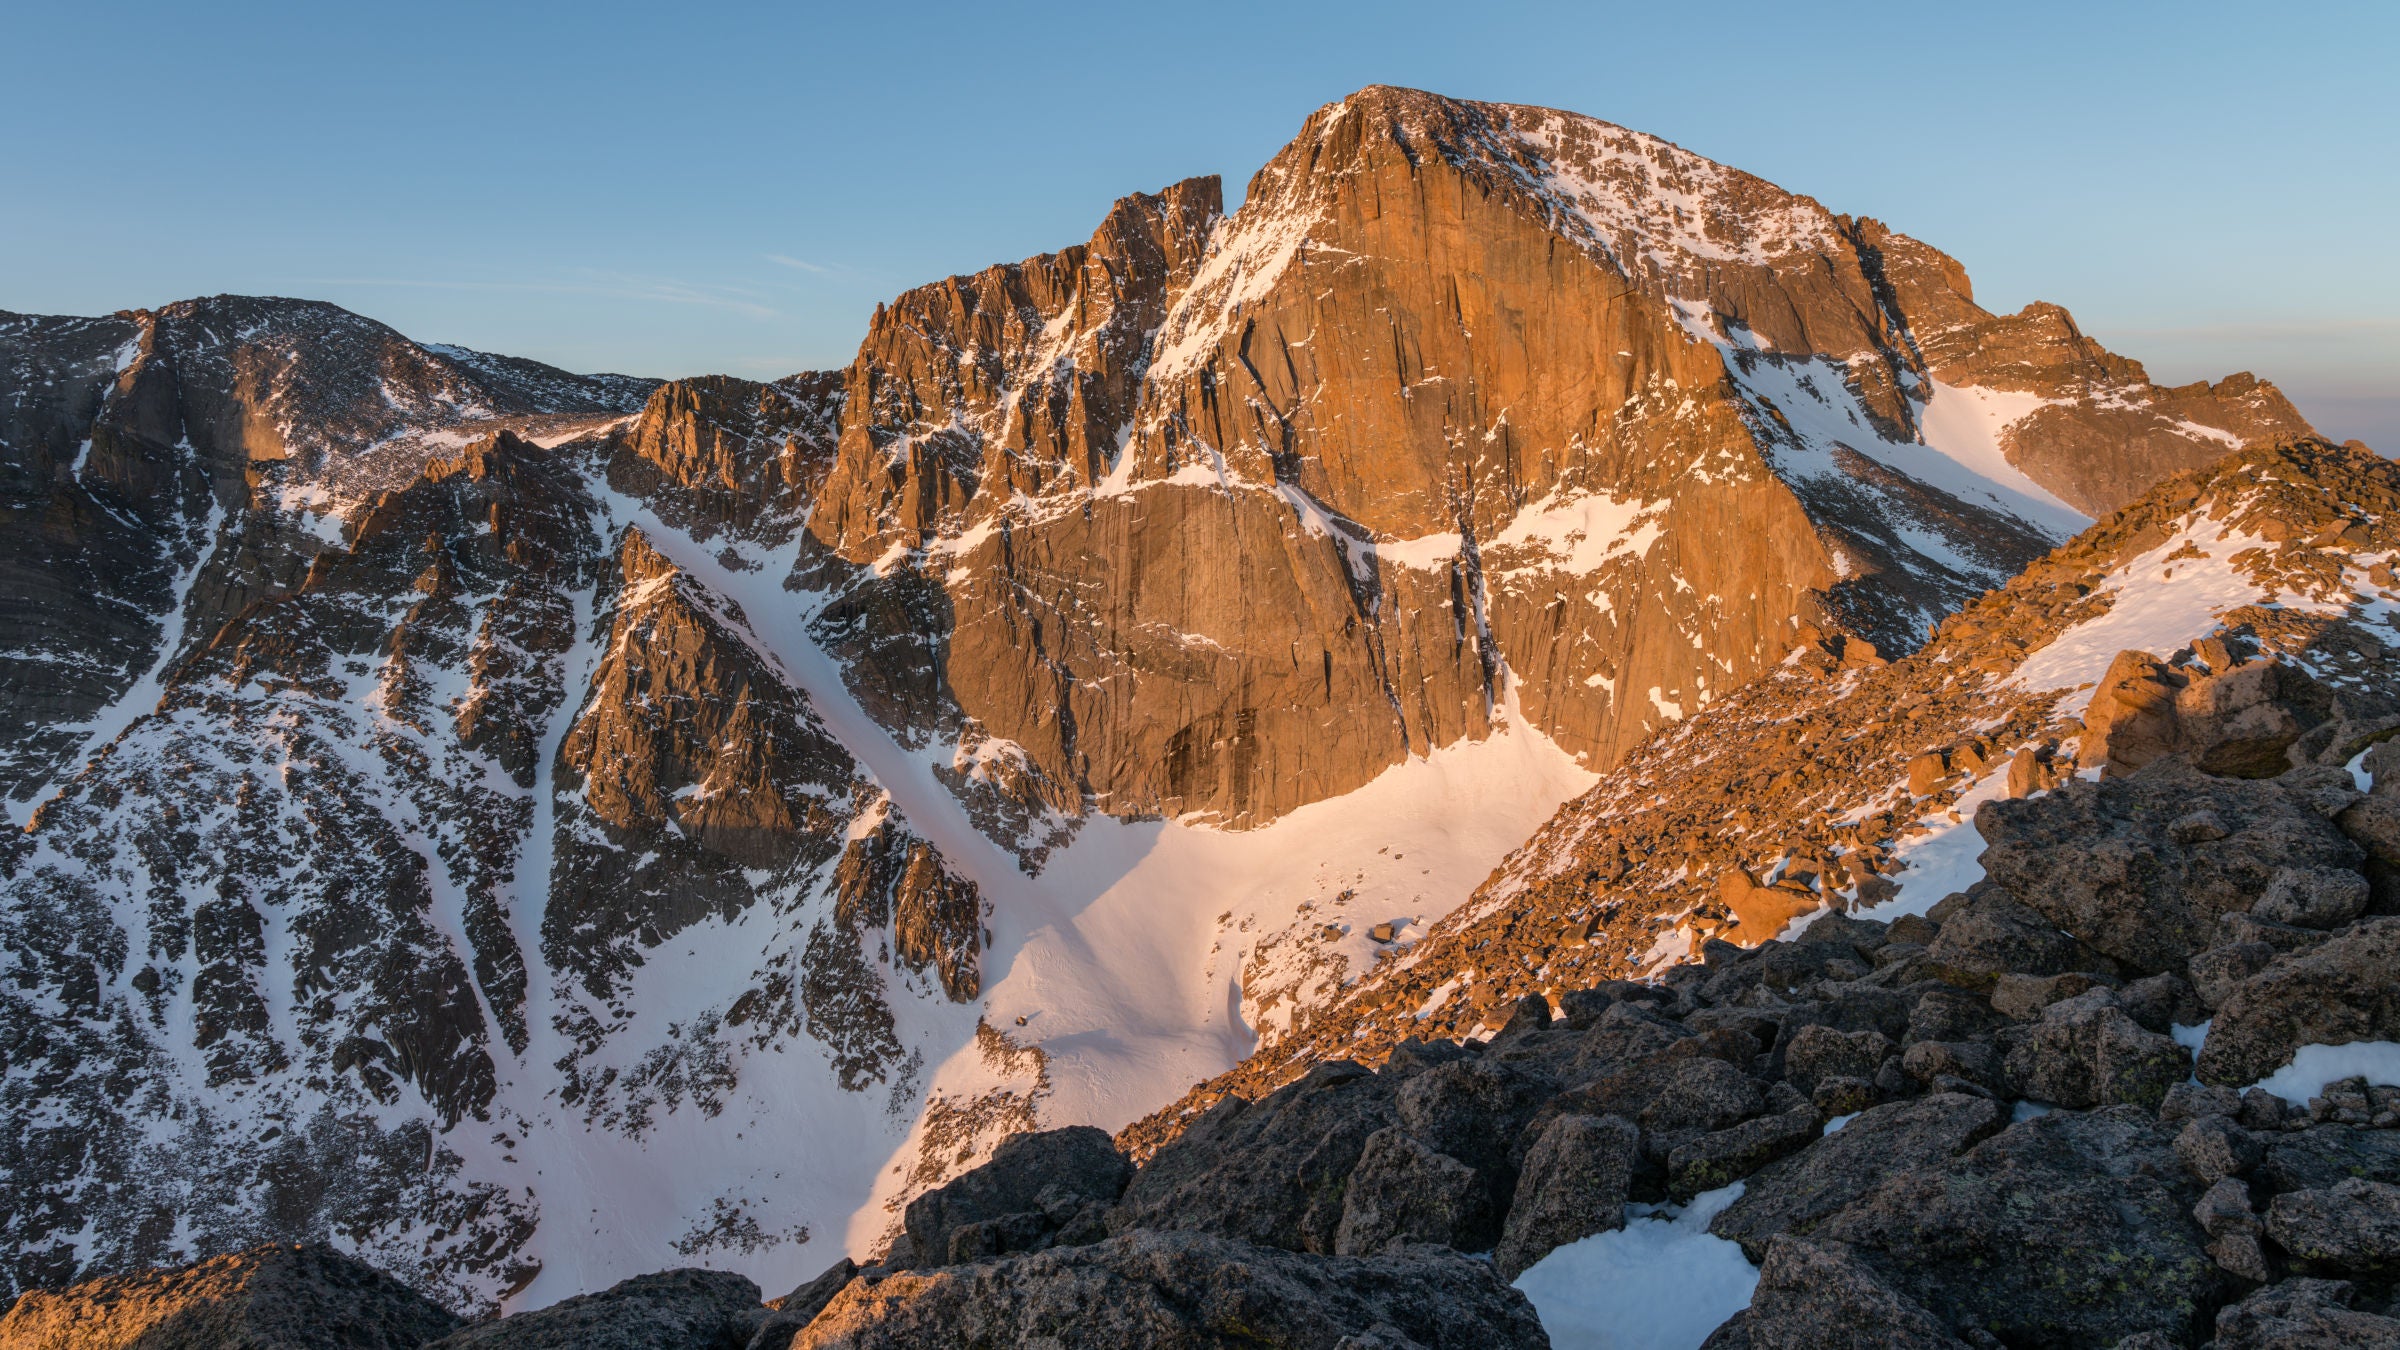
(673, 189)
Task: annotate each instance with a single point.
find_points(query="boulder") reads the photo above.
(1819, 1052)
(2350, 1227)
(1785, 969)
(788, 1315)
(2035, 769)
(1035, 1186)
(1476, 1110)
(2338, 991)
(1820, 1296)
(2314, 897)
(1403, 1191)
(1991, 935)
(1573, 1184)
(1957, 1066)
(283, 1296)
(2190, 1101)
(2233, 1228)
(1682, 1096)
(2067, 1229)
(2319, 1157)
(2131, 718)
(2086, 1052)
(1844, 1167)
(1938, 1012)
(2373, 822)
(2101, 860)
(2303, 1314)
(2239, 721)
(2024, 996)
(1271, 1172)
(1863, 936)
(1184, 1291)
(671, 1310)
(2225, 1208)
(1843, 1096)
(2220, 970)
(1722, 1157)
(1627, 1031)
(1761, 912)
(2159, 1002)
(2213, 1149)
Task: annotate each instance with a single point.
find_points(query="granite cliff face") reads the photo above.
(1468, 403)
(479, 815)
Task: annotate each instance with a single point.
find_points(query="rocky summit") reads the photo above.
(1527, 738)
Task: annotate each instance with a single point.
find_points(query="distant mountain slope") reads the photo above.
(159, 469)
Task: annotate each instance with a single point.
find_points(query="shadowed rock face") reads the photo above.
(1179, 1290)
(128, 446)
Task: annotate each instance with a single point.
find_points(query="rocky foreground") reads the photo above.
(1985, 1125)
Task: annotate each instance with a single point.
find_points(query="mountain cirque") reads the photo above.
(455, 789)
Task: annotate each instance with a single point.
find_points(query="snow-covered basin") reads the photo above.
(1661, 1282)
(1125, 957)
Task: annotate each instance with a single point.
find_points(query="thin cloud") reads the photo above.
(795, 263)
(2269, 328)
(615, 286)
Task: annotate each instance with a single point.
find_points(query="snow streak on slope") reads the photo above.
(111, 721)
(1960, 452)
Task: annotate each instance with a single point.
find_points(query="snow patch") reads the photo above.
(1946, 859)
(1661, 1282)
(1580, 531)
(2317, 1067)
(2159, 602)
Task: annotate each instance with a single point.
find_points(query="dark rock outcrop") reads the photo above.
(281, 1297)
(1574, 1184)
(2236, 721)
(2103, 861)
(1818, 1296)
(2350, 1228)
(1037, 1190)
(1274, 1172)
(2303, 1315)
(1841, 1169)
(1183, 1291)
(2069, 1229)
(672, 1310)
(2330, 993)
